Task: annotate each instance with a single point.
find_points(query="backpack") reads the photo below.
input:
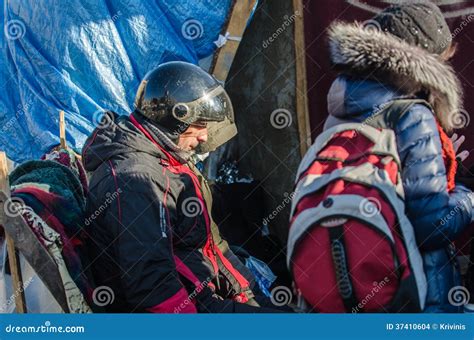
(351, 248)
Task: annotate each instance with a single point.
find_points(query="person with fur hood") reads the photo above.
(406, 57)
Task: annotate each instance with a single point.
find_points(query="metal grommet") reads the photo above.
(180, 111)
(328, 202)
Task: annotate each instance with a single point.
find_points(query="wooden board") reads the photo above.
(302, 112)
(223, 58)
(62, 130)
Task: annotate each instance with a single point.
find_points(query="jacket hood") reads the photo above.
(116, 135)
(362, 53)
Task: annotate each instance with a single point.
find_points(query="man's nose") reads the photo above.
(202, 138)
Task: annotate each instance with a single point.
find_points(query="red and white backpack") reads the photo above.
(351, 248)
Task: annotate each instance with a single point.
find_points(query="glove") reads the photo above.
(457, 142)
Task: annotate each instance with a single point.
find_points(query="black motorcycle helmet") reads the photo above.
(178, 94)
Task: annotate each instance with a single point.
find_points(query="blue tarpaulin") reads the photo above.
(86, 56)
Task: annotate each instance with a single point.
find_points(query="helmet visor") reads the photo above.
(213, 110)
(218, 133)
(214, 106)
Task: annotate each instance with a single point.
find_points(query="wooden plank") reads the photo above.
(223, 58)
(15, 269)
(62, 135)
(13, 258)
(4, 186)
(302, 110)
(62, 130)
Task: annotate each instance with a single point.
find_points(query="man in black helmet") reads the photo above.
(153, 242)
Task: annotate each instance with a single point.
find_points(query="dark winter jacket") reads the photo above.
(377, 68)
(151, 239)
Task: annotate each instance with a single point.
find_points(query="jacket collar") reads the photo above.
(162, 138)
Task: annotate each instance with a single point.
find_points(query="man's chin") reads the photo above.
(190, 150)
(187, 148)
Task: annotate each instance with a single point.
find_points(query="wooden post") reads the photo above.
(13, 258)
(62, 135)
(62, 130)
(239, 16)
(302, 111)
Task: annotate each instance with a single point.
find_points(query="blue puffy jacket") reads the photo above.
(438, 216)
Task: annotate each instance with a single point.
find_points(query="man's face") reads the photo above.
(191, 138)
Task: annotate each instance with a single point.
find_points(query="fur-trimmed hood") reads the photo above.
(360, 52)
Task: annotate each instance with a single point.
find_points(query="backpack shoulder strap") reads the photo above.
(390, 113)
